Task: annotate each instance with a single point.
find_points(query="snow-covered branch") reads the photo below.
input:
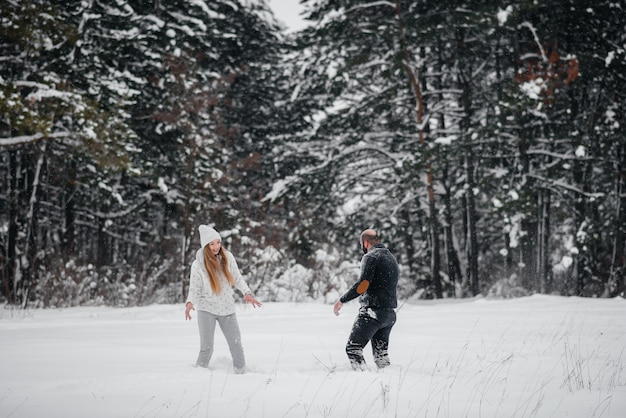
(27, 139)
(562, 185)
(372, 4)
(127, 211)
(532, 30)
(556, 155)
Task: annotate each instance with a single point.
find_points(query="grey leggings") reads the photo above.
(230, 328)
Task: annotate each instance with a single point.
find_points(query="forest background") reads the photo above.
(483, 139)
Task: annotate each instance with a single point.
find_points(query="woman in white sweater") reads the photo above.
(214, 276)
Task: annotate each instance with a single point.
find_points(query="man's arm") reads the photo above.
(361, 286)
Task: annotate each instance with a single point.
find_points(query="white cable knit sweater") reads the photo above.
(201, 294)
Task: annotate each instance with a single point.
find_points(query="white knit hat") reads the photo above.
(207, 234)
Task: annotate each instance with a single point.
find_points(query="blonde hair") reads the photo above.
(214, 265)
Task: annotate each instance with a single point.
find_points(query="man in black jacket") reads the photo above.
(377, 290)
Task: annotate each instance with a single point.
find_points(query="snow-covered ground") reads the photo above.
(540, 356)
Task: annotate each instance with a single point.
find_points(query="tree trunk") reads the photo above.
(69, 211)
(528, 232)
(32, 228)
(434, 230)
(452, 258)
(545, 270)
(616, 285)
(465, 86)
(104, 244)
(408, 236)
(419, 118)
(528, 247)
(580, 216)
(11, 275)
(472, 241)
(188, 232)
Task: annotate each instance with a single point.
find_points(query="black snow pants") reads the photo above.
(373, 325)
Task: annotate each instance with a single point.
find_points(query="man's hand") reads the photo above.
(337, 307)
(189, 307)
(250, 299)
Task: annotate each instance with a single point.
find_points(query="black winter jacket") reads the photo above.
(378, 281)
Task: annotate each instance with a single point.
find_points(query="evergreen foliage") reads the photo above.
(484, 140)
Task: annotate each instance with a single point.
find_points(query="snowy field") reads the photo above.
(540, 356)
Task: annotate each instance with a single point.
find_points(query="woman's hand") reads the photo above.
(250, 299)
(189, 307)
(337, 307)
